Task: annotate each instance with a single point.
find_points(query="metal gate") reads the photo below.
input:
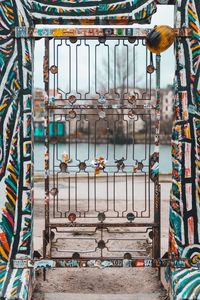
(102, 192)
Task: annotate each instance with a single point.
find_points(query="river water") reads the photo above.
(80, 153)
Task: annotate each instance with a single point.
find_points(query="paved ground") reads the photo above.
(70, 296)
(98, 284)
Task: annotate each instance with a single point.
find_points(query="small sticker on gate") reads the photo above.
(20, 264)
(148, 263)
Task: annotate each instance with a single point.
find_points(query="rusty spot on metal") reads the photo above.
(72, 99)
(72, 217)
(101, 244)
(132, 99)
(54, 69)
(150, 69)
(54, 191)
(72, 114)
(82, 166)
(101, 217)
(63, 167)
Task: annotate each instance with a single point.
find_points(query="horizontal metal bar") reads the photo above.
(103, 263)
(105, 106)
(103, 225)
(169, 2)
(25, 32)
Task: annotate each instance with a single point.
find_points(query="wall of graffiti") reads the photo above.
(93, 12)
(185, 199)
(15, 149)
(16, 56)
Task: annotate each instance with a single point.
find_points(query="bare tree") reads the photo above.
(121, 82)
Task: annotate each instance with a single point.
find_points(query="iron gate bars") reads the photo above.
(101, 183)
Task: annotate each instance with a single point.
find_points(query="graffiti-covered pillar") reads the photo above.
(15, 148)
(184, 237)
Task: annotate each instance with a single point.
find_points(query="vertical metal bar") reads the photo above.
(108, 69)
(149, 153)
(46, 128)
(125, 88)
(115, 69)
(57, 90)
(156, 230)
(89, 76)
(77, 68)
(95, 75)
(55, 77)
(70, 67)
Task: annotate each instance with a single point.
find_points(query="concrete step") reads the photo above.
(70, 296)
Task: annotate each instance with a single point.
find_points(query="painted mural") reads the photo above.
(93, 12)
(15, 149)
(185, 199)
(16, 121)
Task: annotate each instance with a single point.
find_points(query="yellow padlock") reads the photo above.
(160, 39)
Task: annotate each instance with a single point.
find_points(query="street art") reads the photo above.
(15, 153)
(16, 58)
(93, 12)
(184, 236)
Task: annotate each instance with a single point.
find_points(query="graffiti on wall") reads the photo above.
(93, 12)
(184, 236)
(15, 149)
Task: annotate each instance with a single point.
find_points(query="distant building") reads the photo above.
(79, 127)
(56, 128)
(167, 96)
(38, 106)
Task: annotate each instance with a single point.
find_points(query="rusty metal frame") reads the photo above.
(94, 33)
(174, 263)
(49, 107)
(89, 34)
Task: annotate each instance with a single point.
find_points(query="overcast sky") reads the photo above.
(164, 16)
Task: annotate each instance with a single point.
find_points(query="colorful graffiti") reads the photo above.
(184, 207)
(93, 12)
(15, 149)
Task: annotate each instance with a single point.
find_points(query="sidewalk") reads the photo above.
(100, 284)
(70, 296)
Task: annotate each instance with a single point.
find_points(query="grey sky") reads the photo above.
(164, 16)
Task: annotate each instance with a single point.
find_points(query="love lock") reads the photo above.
(82, 166)
(101, 244)
(63, 167)
(120, 163)
(150, 69)
(54, 191)
(132, 99)
(130, 217)
(72, 99)
(101, 217)
(102, 99)
(102, 114)
(72, 217)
